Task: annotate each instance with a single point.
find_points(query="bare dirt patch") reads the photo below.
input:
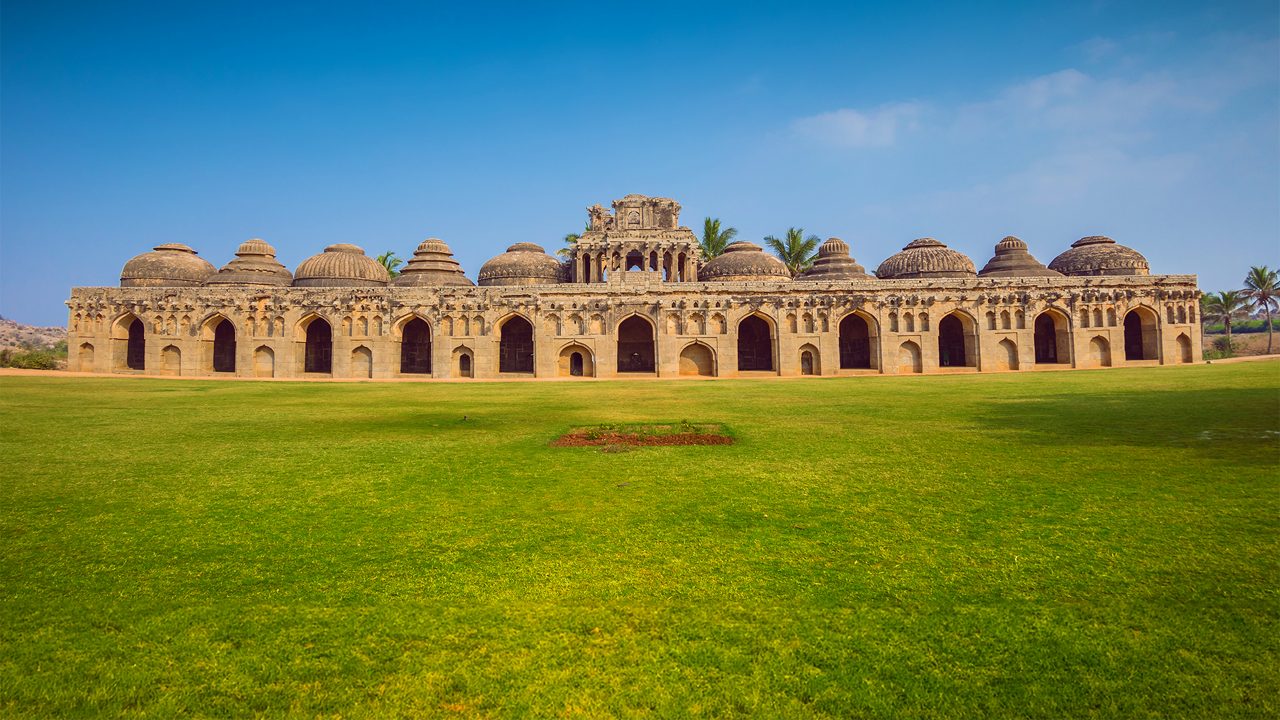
(647, 435)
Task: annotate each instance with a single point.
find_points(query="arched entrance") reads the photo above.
(576, 361)
(264, 362)
(415, 347)
(515, 346)
(462, 362)
(1184, 348)
(755, 345)
(1052, 340)
(956, 342)
(1099, 352)
(855, 343)
(635, 345)
(697, 359)
(1140, 335)
(362, 362)
(318, 353)
(224, 347)
(810, 361)
(909, 360)
(86, 357)
(170, 360)
(1006, 355)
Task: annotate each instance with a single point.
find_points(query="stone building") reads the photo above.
(635, 299)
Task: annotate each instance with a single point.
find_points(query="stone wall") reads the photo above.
(696, 326)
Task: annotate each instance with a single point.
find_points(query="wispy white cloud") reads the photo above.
(848, 128)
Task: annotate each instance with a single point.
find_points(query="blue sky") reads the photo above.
(126, 125)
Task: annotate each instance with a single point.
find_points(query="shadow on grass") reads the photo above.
(1236, 423)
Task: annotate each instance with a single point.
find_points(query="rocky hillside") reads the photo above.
(16, 335)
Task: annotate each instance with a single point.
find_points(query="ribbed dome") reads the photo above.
(926, 258)
(341, 265)
(1013, 260)
(432, 264)
(834, 263)
(168, 265)
(1100, 255)
(744, 261)
(255, 264)
(521, 264)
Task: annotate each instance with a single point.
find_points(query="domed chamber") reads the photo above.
(168, 265)
(926, 258)
(1013, 260)
(341, 265)
(432, 265)
(834, 263)
(1100, 255)
(744, 261)
(522, 264)
(255, 264)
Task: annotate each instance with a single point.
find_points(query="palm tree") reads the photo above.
(570, 240)
(714, 240)
(1262, 290)
(1223, 307)
(389, 261)
(795, 251)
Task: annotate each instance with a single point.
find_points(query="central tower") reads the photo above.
(642, 234)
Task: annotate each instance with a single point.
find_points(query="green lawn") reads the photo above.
(1056, 545)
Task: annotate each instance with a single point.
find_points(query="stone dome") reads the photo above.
(744, 261)
(255, 264)
(341, 265)
(168, 265)
(1100, 255)
(926, 258)
(521, 264)
(1013, 260)
(432, 264)
(834, 263)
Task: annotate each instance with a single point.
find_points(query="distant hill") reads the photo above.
(16, 335)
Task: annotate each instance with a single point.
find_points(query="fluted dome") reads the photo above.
(744, 261)
(521, 264)
(1013, 260)
(926, 258)
(341, 265)
(432, 264)
(168, 265)
(834, 263)
(1100, 255)
(255, 264)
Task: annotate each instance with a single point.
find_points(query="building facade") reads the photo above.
(635, 299)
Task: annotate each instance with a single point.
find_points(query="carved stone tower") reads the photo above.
(643, 235)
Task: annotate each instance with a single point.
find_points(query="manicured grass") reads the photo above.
(1072, 544)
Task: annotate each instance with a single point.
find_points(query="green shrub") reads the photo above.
(29, 358)
(1244, 327)
(1222, 348)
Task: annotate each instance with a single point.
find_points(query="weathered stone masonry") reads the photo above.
(340, 318)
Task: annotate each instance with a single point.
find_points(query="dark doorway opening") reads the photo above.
(224, 347)
(515, 349)
(415, 347)
(1046, 339)
(1134, 347)
(318, 357)
(951, 342)
(136, 350)
(635, 345)
(755, 347)
(855, 343)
